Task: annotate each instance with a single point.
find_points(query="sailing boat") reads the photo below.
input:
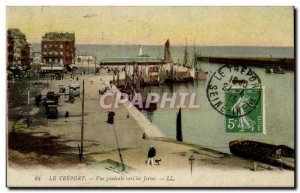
(167, 53)
(272, 68)
(182, 75)
(170, 75)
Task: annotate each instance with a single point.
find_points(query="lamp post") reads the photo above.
(88, 65)
(51, 71)
(80, 147)
(28, 102)
(110, 120)
(95, 64)
(191, 162)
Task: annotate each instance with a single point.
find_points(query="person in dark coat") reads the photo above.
(67, 115)
(151, 155)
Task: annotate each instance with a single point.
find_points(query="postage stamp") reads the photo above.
(247, 109)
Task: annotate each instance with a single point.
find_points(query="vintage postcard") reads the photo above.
(150, 96)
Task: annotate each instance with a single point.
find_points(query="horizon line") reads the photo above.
(266, 46)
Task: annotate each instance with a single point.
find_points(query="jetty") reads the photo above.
(261, 62)
(131, 61)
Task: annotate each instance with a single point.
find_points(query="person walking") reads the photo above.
(67, 116)
(151, 155)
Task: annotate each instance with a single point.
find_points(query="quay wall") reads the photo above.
(143, 122)
(285, 63)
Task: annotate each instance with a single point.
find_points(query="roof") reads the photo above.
(17, 37)
(131, 60)
(16, 33)
(55, 36)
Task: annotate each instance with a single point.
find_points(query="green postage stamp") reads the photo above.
(245, 110)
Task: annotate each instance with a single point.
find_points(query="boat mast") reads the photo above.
(185, 58)
(194, 64)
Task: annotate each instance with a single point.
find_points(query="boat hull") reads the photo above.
(183, 80)
(265, 153)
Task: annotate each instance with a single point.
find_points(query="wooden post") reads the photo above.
(255, 165)
(178, 127)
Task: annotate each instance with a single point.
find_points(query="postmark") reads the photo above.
(227, 78)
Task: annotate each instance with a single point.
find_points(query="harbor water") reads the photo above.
(205, 126)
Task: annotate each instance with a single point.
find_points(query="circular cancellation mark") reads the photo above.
(233, 90)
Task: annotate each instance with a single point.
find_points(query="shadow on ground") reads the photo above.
(26, 149)
(26, 143)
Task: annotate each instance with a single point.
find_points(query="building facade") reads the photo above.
(18, 50)
(58, 48)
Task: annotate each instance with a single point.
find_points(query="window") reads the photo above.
(50, 60)
(50, 45)
(61, 61)
(56, 60)
(45, 45)
(61, 46)
(50, 53)
(61, 53)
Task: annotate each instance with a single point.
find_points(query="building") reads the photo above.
(36, 58)
(18, 50)
(58, 48)
(56, 71)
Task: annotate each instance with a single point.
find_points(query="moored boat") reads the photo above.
(275, 70)
(276, 155)
(177, 80)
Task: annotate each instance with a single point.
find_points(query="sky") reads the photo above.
(207, 26)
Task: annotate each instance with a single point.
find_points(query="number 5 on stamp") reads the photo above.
(245, 107)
